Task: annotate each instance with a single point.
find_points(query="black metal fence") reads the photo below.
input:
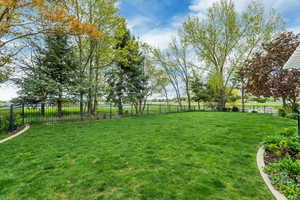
(14, 116)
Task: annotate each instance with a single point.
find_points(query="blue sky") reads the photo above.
(156, 21)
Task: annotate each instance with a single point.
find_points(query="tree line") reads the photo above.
(82, 51)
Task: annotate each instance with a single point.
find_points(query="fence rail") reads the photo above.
(17, 115)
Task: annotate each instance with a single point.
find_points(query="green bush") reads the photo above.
(293, 116)
(289, 132)
(282, 112)
(292, 107)
(287, 143)
(18, 121)
(3, 124)
(235, 109)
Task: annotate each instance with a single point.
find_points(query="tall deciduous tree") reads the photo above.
(164, 62)
(182, 63)
(225, 38)
(95, 55)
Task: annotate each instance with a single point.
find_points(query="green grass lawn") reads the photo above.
(183, 156)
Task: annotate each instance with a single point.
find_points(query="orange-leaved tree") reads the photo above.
(21, 19)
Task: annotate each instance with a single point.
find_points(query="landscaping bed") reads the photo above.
(282, 159)
(8, 134)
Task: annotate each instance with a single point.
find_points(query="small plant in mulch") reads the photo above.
(282, 159)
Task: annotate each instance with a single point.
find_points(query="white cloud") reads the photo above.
(151, 32)
(7, 92)
(284, 7)
(160, 37)
(203, 5)
(139, 23)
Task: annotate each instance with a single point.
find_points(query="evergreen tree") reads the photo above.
(51, 74)
(126, 78)
(201, 92)
(59, 65)
(137, 83)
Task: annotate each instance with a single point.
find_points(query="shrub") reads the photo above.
(225, 109)
(3, 124)
(289, 132)
(292, 107)
(18, 121)
(282, 112)
(235, 109)
(287, 143)
(293, 116)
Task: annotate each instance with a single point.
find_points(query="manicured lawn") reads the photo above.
(183, 156)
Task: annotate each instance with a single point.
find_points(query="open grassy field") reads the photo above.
(183, 156)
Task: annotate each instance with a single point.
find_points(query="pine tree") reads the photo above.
(126, 78)
(51, 74)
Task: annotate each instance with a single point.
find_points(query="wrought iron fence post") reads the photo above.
(11, 118)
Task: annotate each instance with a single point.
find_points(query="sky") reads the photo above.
(157, 21)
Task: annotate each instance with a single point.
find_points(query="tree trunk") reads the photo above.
(222, 100)
(43, 109)
(59, 104)
(141, 107)
(120, 107)
(90, 95)
(283, 101)
(81, 105)
(188, 95)
(243, 98)
(89, 103)
(95, 106)
(166, 96)
(59, 108)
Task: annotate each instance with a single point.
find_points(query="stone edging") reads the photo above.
(261, 165)
(16, 134)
